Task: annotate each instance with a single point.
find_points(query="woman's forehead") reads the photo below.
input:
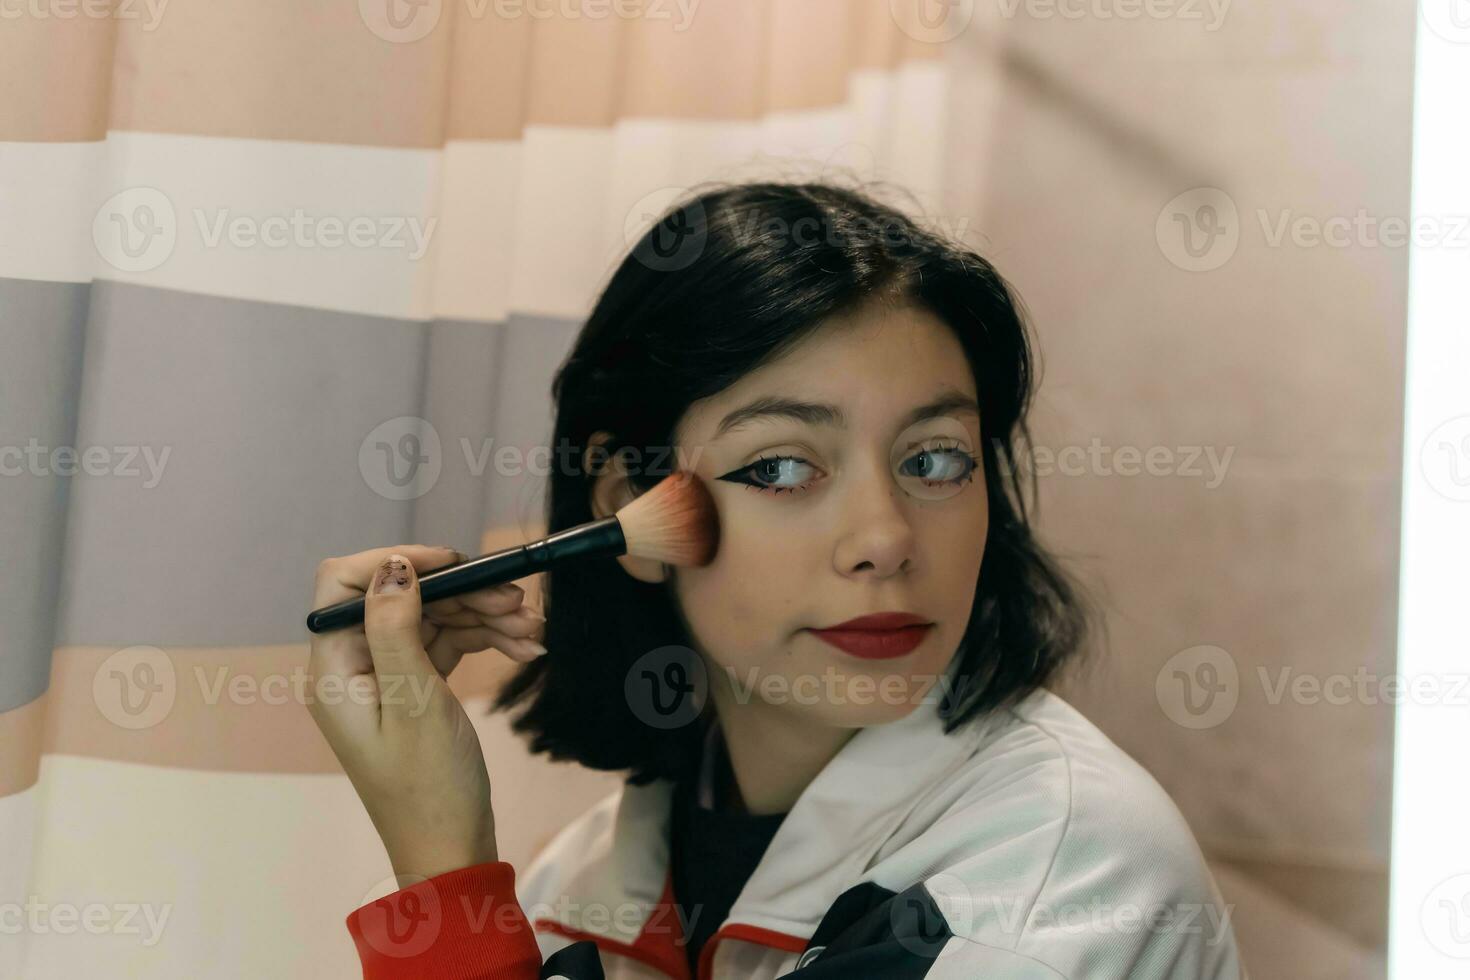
(897, 407)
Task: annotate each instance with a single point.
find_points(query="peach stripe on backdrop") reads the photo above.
(462, 69)
(226, 709)
(233, 709)
(486, 227)
(245, 874)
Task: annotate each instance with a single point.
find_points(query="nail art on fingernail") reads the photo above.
(394, 575)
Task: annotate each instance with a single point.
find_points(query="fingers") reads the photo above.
(340, 660)
(517, 634)
(391, 624)
(496, 601)
(522, 621)
(448, 648)
(348, 577)
(344, 689)
(521, 649)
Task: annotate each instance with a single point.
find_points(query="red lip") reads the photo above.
(877, 637)
(881, 621)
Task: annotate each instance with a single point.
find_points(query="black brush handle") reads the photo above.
(596, 539)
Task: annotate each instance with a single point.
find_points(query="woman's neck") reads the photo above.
(774, 753)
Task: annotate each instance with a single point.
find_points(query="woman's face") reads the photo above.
(869, 499)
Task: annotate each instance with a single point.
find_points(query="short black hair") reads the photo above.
(727, 279)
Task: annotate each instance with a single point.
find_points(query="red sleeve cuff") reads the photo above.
(464, 924)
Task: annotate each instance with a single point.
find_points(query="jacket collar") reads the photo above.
(824, 845)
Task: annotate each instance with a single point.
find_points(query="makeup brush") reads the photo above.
(674, 523)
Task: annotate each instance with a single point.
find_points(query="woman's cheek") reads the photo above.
(748, 598)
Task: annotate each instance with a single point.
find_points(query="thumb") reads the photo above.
(393, 612)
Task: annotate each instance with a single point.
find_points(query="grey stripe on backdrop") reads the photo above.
(41, 329)
(239, 443)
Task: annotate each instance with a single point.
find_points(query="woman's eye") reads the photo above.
(776, 473)
(940, 465)
(934, 467)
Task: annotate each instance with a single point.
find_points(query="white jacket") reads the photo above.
(1028, 846)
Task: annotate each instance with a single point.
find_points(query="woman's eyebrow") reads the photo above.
(950, 402)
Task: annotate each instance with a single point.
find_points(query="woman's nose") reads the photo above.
(877, 537)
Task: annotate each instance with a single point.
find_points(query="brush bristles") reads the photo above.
(674, 523)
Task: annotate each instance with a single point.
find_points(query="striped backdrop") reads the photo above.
(251, 254)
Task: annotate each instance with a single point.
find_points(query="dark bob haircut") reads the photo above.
(726, 280)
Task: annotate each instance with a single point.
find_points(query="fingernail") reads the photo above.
(395, 574)
(535, 647)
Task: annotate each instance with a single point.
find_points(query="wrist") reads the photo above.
(412, 865)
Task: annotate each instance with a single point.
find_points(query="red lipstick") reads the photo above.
(879, 636)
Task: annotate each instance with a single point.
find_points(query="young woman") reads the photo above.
(842, 759)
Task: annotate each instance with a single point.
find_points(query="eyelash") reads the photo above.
(954, 450)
